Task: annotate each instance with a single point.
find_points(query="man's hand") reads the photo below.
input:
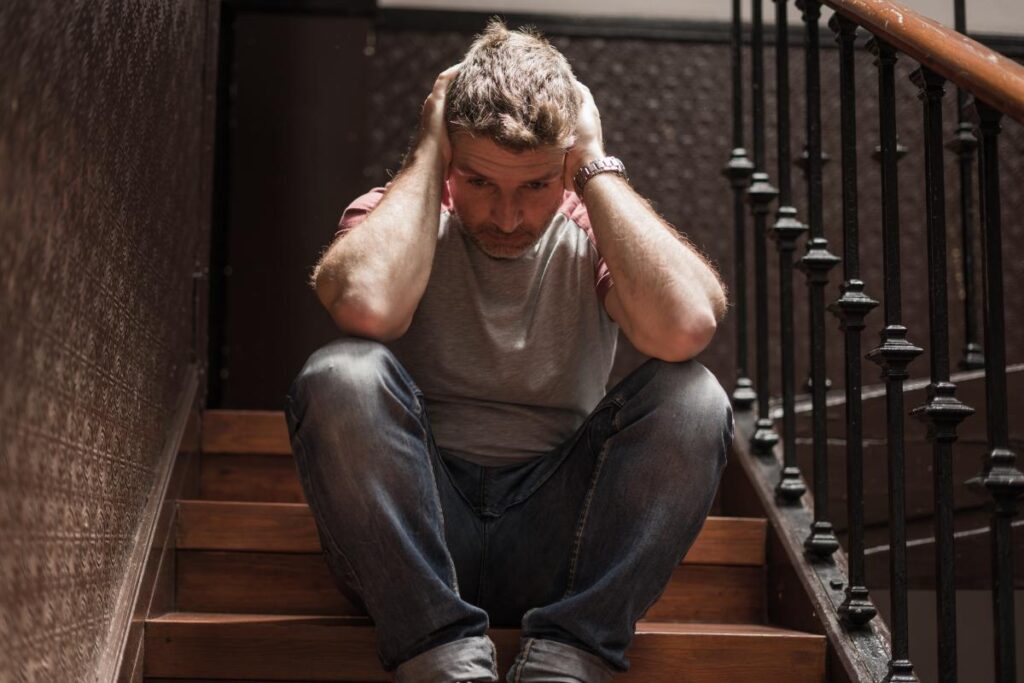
(433, 127)
(589, 144)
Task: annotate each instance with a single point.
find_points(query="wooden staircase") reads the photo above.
(254, 600)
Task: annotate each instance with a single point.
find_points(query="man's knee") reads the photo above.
(691, 385)
(344, 365)
(695, 402)
(340, 374)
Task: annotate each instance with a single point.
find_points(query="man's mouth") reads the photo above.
(503, 238)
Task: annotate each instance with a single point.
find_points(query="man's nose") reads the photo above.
(508, 214)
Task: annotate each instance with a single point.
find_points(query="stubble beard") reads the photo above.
(493, 249)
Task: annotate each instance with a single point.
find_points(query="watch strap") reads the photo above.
(598, 166)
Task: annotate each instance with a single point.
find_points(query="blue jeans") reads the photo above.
(571, 547)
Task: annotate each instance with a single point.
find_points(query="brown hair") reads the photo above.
(515, 88)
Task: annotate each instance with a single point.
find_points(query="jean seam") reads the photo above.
(522, 663)
(334, 549)
(584, 514)
(423, 420)
(483, 563)
(483, 491)
(426, 439)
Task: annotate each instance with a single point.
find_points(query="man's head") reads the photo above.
(515, 88)
(511, 113)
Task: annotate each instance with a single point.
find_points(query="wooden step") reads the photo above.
(316, 648)
(289, 583)
(241, 477)
(289, 528)
(245, 431)
(246, 455)
(266, 558)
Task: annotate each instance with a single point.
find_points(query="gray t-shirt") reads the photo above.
(511, 354)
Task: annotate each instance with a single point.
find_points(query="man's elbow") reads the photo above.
(364, 322)
(687, 340)
(361, 317)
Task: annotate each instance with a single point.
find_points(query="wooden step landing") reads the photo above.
(317, 648)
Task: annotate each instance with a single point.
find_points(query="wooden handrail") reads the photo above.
(988, 75)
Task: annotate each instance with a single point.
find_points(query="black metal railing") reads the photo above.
(980, 108)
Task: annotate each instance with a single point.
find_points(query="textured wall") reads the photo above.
(100, 160)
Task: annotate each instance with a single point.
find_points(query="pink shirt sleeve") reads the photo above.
(573, 207)
(356, 212)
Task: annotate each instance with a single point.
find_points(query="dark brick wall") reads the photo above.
(101, 164)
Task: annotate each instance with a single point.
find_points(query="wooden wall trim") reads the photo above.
(154, 540)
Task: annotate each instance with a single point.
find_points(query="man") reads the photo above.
(464, 465)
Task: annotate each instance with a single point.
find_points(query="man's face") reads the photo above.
(504, 199)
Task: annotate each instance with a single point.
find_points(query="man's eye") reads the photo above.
(478, 182)
(539, 185)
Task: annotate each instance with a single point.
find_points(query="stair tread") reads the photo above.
(289, 527)
(322, 648)
(662, 627)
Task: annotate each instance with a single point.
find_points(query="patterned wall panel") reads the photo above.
(100, 167)
(666, 110)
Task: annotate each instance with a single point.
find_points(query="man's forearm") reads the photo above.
(664, 285)
(372, 279)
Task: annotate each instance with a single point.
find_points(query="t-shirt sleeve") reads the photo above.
(357, 211)
(577, 213)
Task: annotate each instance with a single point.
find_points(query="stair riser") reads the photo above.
(241, 477)
(289, 528)
(279, 583)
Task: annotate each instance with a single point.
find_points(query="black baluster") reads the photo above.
(963, 145)
(893, 355)
(801, 163)
(851, 308)
(816, 264)
(943, 411)
(760, 196)
(786, 231)
(999, 476)
(738, 170)
(901, 151)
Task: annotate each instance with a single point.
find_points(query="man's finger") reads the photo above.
(451, 71)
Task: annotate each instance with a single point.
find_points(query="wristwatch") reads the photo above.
(603, 165)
